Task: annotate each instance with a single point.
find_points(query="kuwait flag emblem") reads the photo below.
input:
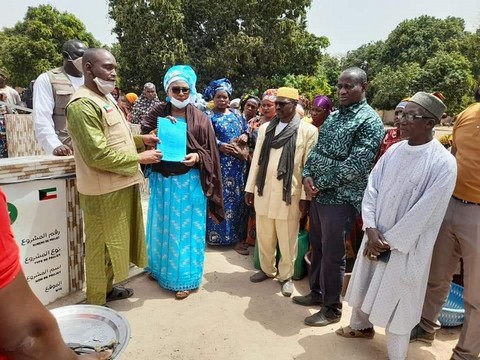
(47, 194)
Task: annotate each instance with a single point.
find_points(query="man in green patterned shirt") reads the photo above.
(335, 176)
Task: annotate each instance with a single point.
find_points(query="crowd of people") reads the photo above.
(253, 168)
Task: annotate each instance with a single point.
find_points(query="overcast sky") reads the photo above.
(347, 23)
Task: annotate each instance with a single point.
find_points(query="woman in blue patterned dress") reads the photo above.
(181, 191)
(228, 126)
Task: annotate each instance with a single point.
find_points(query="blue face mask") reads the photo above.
(179, 104)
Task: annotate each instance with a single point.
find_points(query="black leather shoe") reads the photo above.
(259, 277)
(311, 299)
(322, 318)
(418, 334)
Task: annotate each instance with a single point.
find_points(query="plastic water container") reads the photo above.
(453, 311)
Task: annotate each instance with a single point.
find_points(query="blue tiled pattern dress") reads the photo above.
(176, 230)
(233, 229)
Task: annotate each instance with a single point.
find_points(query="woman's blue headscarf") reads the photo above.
(217, 85)
(184, 73)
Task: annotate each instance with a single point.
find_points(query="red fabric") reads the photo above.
(9, 253)
(392, 136)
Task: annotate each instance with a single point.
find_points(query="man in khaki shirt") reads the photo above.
(274, 187)
(459, 237)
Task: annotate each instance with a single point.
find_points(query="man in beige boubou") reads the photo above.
(108, 177)
(274, 187)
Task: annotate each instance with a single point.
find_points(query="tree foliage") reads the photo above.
(255, 44)
(309, 85)
(417, 40)
(421, 54)
(34, 45)
(449, 73)
(393, 84)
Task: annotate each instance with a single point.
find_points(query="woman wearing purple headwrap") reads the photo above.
(322, 106)
(228, 126)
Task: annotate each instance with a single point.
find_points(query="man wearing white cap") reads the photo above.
(275, 183)
(403, 206)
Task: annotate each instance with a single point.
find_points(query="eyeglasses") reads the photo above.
(282, 103)
(411, 117)
(177, 89)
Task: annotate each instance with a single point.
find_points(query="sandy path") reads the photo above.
(232, 318)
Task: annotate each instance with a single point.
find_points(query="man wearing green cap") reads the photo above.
(275, 183)
(403, 206)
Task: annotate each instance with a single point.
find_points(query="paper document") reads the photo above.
(173, 139)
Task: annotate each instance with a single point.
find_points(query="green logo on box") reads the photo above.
(12, 212)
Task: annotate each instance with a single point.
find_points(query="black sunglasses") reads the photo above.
(177, 89)
(282, 103)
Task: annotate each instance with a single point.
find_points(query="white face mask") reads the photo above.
(179, 104)
(78, 64)
(104, 86)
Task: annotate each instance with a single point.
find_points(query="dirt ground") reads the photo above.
(231, 318)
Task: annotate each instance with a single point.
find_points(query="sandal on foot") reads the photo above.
(180, 295)
(350, 333)
(119, 293)
(241, 248)
(150, 276)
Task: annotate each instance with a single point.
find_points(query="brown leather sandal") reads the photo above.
(241, 248)
(180, 295)
(350, 333)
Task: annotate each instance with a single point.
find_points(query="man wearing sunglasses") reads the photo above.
(335, 176)
(51, 93)
(274, 187)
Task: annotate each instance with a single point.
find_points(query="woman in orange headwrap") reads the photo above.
(126, 104)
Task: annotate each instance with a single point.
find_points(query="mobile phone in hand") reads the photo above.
(384, 256)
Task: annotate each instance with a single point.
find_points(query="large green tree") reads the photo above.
(417, 40)
(421, 54)
(393, 84)
(449, 73)
(34, 45)
(255, 44)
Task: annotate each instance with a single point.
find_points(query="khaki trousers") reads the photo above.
(459, 237)
(285, 233)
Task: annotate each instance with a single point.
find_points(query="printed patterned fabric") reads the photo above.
(113, 229)
(233, 229)
(142, 107)
(176, 230)
(342, 159)
(392, 136)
